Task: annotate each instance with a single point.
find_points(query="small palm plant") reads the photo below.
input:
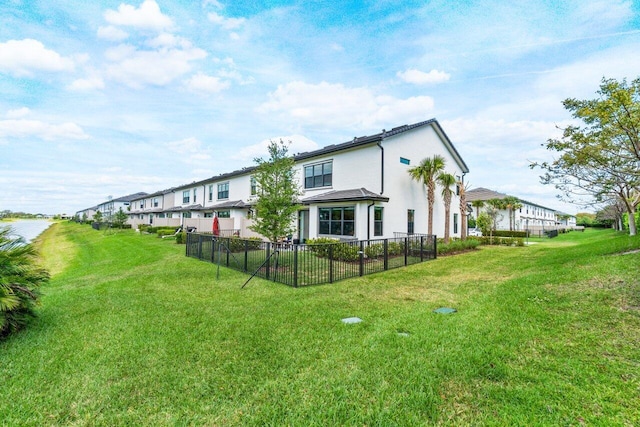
(20, 278)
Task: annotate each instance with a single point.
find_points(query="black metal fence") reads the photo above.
(311, 264)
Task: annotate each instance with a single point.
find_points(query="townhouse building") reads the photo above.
(528, 216)
(359, 189)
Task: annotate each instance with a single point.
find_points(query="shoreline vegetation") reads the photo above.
(132, 332)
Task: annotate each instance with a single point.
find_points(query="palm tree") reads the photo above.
(426, 172)
(463, 210)
(477, 204)
(446, 180)
(21, 276)
(512, 203)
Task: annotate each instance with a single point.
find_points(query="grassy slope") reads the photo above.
(131, 332)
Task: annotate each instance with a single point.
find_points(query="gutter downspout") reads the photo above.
(369, 219)
(379, 144)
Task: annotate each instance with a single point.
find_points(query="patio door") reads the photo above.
(303, 225)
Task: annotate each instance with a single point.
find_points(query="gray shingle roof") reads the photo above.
(355, 194)
(230, 204)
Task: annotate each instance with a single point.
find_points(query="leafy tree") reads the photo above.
(484, 223)
(427, 172)
(20, 278)
(599, 162)
(97, 217)
(446, 181)
(120, 218)
(277, 193)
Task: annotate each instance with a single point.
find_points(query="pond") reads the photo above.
(28, 229)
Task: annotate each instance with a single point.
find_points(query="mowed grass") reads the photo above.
(132, 332)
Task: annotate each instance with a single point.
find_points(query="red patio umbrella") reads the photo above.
(216, 226)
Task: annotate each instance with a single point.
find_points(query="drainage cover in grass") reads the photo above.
(403, 334)
(352, 320)
(444, 310)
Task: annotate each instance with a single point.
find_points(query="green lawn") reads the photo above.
(132, 332)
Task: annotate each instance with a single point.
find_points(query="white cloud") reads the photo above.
(190, 150)
(420, 77)
(138, 68)
(204, 83)
(90, 83)
(112, 33)
(214, 3)
(355, 108)
(18, 113)
(147, 17)
(185, 146)
(21, 128)
(225, 23)
(296, 144)
(24, 57)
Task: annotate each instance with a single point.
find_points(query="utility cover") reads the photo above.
(445, 310)
(352, 320)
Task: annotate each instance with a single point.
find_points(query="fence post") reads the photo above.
(435, 246)
(386, 254)
(269, 262)
(331, 263)
(421, 248)
(199, 246)
(228, 250)
(361, 254)
(406, 249)
(213, 249)
(295, 266)
(246, 255)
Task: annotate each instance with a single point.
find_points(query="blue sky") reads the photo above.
(109, 98)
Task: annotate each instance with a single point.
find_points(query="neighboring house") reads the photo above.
(566, 220)
(86, 213)
(152, 209)
(110, 207)
(530, 216)
(359, 189)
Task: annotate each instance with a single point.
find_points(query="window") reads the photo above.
(410, 220)
(141, 204)
(223, 191)
(161, 215)
(319, 175)
(208, 214)
(377, 221)
(254, 186)
(186, 214)
(194, 195)
(337, 221)
(185, 196)
(224, 214)
(155, 202)
(455, 223)
(210, 192)
(405, 161)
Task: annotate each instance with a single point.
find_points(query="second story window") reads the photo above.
(254, 186)
(319, 175)
(155, 202)
(210, 192)
(185, 196)
(223, 191)
(194, 195)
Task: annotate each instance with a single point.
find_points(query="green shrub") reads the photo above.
(507, 233)
(375, 250)
(236, 244)
(341, 251)
(20, 278)
(457, 246)
(181, 238)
